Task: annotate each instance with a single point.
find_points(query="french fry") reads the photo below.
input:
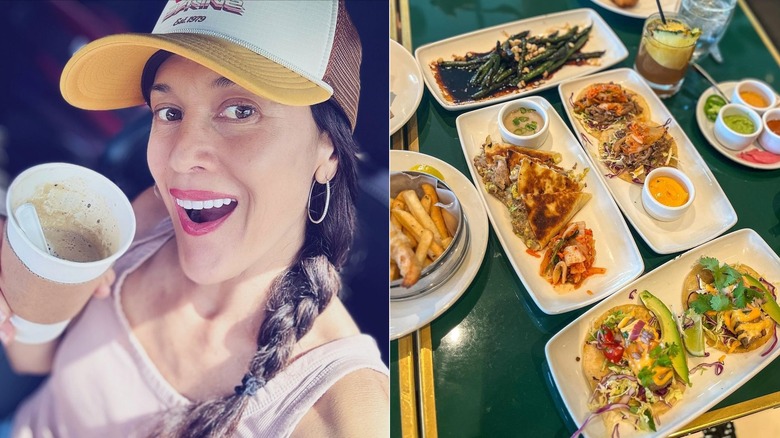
(410, 223)
(426, 203)
(400, 203)
(422, 246)
(435, 211)
(401, 252)
(418, 233)
(393, 219)
(418, 211)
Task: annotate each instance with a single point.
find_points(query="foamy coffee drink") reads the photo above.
(88, 223)
(71, 222)
(76, 246)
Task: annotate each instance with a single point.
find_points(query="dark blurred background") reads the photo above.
(37, 126)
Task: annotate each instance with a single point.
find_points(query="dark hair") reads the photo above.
(297, 296)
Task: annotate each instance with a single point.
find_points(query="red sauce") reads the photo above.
(774, 126)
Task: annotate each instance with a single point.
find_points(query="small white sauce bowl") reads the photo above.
(758, 87)
(660, 211)
(534, 140)
(768, 139)
(730, 138)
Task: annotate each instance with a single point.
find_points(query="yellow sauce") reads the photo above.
(668, 191)
(754, 99)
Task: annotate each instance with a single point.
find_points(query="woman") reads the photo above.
(223, 319)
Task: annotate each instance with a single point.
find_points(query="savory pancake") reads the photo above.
(632, 151)
(534, 178)
(733, 331)
(540, 196)
(600, 106)
(549, 213)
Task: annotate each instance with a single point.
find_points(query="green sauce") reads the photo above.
(740, 124)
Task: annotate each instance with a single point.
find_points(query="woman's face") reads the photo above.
(234, 170)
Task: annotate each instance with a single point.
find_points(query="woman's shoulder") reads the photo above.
(356, 405)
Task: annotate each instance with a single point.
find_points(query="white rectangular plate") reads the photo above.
(642, 8)
(711, 213)
(615, 248)
(602, 37)
(665, 282)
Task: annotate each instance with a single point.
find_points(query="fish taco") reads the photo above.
(733, 303)
(629, 367)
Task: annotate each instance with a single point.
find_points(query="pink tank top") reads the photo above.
(103, 383)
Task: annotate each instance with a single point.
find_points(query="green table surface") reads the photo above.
(491, 375)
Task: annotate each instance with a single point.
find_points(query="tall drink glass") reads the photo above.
(665, 52)
(712, 17)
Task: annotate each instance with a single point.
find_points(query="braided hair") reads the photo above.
(297, 296)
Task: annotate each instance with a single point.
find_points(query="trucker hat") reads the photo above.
(292, 52)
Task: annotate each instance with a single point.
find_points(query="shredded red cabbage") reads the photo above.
(615, 431)
(769, 286)
(771, 347)
(585, 138)
(631, 294)
(599, 411)
(718, 367)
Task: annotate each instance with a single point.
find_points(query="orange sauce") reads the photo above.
(774, 126)
(754, 99)
(668, 191)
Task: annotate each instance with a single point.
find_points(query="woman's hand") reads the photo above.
(7, 330)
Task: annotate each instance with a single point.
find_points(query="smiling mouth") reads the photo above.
(207, 211)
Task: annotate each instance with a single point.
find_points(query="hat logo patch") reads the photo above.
(231, 6)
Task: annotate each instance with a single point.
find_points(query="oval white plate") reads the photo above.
(665, 282)
(642, 9)
(711, 213)
(615, 248)
(409, 315)
(602, 37)
(406, 86)
(707, 129)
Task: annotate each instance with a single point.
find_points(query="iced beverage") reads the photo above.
(665, 51)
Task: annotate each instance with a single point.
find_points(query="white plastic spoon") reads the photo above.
(31, 225)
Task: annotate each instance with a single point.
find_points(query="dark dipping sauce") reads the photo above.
(454, 83)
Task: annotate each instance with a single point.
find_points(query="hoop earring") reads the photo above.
(327, 202)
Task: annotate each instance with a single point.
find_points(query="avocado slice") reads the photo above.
(769, 305)
(670, 334)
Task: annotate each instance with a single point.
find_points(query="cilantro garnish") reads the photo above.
(645, 377)
(720, 302)
(701, 304)
(724, 276)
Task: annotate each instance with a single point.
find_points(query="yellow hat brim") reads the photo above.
(106, 73)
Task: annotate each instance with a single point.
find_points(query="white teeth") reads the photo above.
(203, 205)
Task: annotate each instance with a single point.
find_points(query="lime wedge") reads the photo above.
(693, 337)
(430, 170)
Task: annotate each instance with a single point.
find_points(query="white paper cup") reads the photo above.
(71, 199)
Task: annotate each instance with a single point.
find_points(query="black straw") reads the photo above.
(660, 11)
